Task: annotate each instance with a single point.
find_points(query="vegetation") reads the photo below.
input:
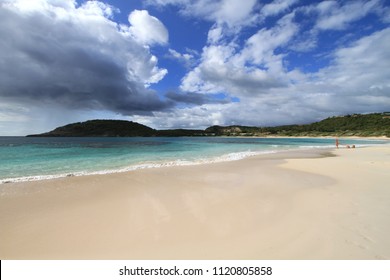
(181, 133)
(351, 125)
(106, 128)
(377, 124)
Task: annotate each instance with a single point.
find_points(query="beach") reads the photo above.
(315, 204)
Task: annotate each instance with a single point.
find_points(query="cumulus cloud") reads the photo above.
(226, 66)
(57, 52)
(93, 8)
(147, 29)
(257, 71)
(248, 71)
(189, 117)
(356, 81)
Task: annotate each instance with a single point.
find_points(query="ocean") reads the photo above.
(28, 159)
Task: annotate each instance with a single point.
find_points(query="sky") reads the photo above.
(191, 63)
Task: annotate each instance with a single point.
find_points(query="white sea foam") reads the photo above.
(317, 147)
(146, 165)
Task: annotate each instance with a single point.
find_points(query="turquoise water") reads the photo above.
(23, 159)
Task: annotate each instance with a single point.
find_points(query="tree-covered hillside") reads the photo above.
(351, 125)
(105, 128)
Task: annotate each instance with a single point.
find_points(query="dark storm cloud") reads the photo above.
(75, 57)
(192, 98)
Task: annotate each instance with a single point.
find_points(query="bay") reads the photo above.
(26, 159)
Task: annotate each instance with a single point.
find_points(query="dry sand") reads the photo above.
(278, 206)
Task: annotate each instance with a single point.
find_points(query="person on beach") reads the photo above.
(337, 143)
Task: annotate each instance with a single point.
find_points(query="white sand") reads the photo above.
(265, 207)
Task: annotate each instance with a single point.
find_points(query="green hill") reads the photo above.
(105, 128)
(349, 125)
(377, 124)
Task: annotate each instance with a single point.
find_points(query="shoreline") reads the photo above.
(235, 156)
(317, 204)
(183, 162)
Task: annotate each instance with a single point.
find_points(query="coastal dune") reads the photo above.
(315, 204)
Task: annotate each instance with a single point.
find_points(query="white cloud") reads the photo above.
(194, 117)
(207, 77)
(188, 59)
(356, 81)
(215, 34)
(156, 74)
(180, 56)
(260, 47)
(96, 8)
(248, 71)
(361, 67)
(332, 15)
(225, 66)
(276, 7)
(256, 72)
(147, 29)
(233, 13)
(27, 6)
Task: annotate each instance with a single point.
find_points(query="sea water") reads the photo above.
(27, 159)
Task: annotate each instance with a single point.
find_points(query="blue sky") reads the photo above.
(191, 63)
